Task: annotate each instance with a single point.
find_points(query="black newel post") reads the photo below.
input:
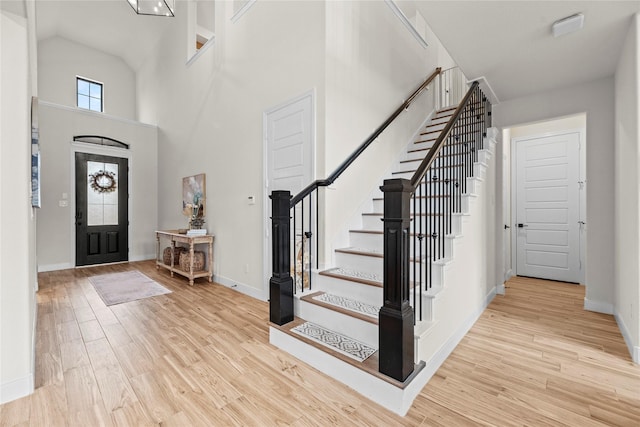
(281, 283)
(396, 315)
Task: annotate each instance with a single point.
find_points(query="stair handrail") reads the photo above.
(435, 149)
(331, 178)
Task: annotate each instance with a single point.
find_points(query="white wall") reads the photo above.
(597, 100)
(61, 60)
(358, 58)
(56, 231)
(373, 63)
(17, 222)
(627, 210)
(470, 278)
(210, 118)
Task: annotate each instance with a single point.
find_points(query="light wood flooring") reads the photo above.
(200, 357)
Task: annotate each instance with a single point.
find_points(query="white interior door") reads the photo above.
(289, 135)
(547, 207)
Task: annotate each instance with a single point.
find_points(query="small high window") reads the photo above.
(89, 94)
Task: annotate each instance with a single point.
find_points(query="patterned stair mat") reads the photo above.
(358, 274)
(345, 345)
(349, 304)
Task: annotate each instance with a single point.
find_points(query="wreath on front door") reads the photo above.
(103, 181)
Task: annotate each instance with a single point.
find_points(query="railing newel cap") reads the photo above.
(397, 185)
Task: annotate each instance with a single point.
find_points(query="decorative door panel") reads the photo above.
(101, 209)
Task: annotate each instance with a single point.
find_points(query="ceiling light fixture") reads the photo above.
(153, 7)
(568, 25)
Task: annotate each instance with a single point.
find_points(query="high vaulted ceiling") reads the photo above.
(507, 42)
(108, 25)
(511, 45)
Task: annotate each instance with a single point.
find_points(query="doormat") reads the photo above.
(344, 345)
(117, 288)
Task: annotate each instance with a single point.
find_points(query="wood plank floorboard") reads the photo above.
(200, 356)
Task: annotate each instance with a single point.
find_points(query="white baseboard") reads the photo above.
(634, 350)
(143, 257)
(55, 267)
(501, 289)
(241, 287)
(598, 306)
(508, 275)
(16, 389)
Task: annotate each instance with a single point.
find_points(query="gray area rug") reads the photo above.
(117, 288)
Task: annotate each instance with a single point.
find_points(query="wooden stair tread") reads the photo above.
(377, 232)
(373, 254)
(433, 140)
(335, 272)
(369, 365)
(437, 196)
(459, 165)
(420, 159)
(412, 214)
(360, 251)
(311, 299)
(429, 148)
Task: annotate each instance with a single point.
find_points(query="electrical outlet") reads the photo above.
(63, 203)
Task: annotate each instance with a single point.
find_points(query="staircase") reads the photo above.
(336, 322)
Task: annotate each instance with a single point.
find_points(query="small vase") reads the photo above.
(196, 223)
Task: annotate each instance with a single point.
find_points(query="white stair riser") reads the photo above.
(375, 242)
(431, 205)
(349, 289)
(440, 173)
(357, 329)
(415, 154)
(455, 159)
(441, 118)
(427, 205)
(359, 262)
(427, 307)
(362, 263)
(374, 222)
(484, 156)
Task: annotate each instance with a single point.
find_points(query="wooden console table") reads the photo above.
(175, 237)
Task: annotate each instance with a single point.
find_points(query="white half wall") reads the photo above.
(17, 221)
(596, 99)
(56, 230)
(373, 63)
(626, 303)
(61, 60)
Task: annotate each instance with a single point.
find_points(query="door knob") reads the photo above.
(506, 226)
(521, 225)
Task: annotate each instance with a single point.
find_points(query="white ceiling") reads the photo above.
(507, 42)
(108, 25)
(511, 45)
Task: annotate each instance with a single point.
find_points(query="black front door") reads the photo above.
(102, 198)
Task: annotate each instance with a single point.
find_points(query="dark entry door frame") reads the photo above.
(90, 149)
